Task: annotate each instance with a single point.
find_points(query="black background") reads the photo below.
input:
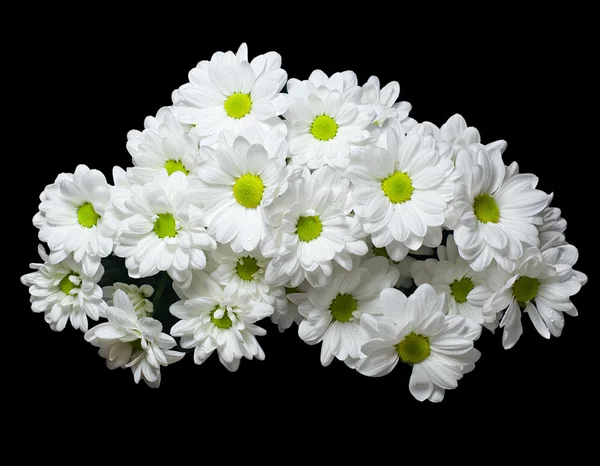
(91, 79)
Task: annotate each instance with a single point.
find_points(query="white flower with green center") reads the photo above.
(73, 218)
(239, 180)
(163, 144)
(383, 101)
(324, 126)
(465, 290)
(313, 227)
(126, 341)
(213, 320)
(495, 216)
(332, 314)
(230, 93)
(163, 230)
(138, 296)
(400, 193)
(541, 286)
(63, 292)
(416, 331)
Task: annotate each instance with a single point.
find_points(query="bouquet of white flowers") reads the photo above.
(325, 206)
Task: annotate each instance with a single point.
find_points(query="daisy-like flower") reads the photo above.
(213, 320)
(64, 292)
(383, 101)
(164, 143)
(138, 295)
(464, 290)
(326, 120)
(541, 286)
(163, 230)
(230, 93)
(313, 227)
(72, 218)
(239, 180)
(332, 314)
(495, 216)
(284, 318)
(400, 193)
(552, 226)
(416, 331)
(128, 342)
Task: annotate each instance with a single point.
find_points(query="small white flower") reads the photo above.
(400, 193)
(72, 218)
(541, 286)
(465, 291)
(163, 230)
(285, 317)
(126, 341)
(313, 227)
(212, 320)
(138, 295)
(416, 331)
(383, 101)
(332, 314)
(64, 292)
(552, 226)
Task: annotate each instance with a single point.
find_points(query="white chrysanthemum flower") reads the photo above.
(332, 314)
(464, 290)
(313, 227)
(284, 318)
(416, 331)
(163, 144)
(552, 226)
(541, 285)
(72, 218)
(64, 292)
(213, 320)
(126, 341)
(238, 181)
(138, 296)
(494, 217)
(400, 193)
(325, 119)
(383, 101)
(230, 93)
(163, 230)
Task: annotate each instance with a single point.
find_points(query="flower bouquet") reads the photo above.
(318, 204)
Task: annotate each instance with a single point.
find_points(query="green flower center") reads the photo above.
(461, 288)
(309, 228)
(324, 128)
(87, 216)
(525, 289)
(246, 268)
(173, 166)
(165, 226)
(342, 307)
(414, 348)
(224, 322)
(398, 187)
(248, 190)
(486, 209)
(238, 105)
(67, 285)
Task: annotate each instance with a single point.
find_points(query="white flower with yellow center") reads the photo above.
(383, 101)
(400, 193)
(313, 227)
(541, 286)
(239, 180)
(416, 331)
(163, 230)
(493, 216)
(213, 320)
(465, 290)
(326, 120)
(63, 292)
(163, 144)
(128, 342)
(73, 218)
(230, 93)
(138, 295)
(332, 314)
